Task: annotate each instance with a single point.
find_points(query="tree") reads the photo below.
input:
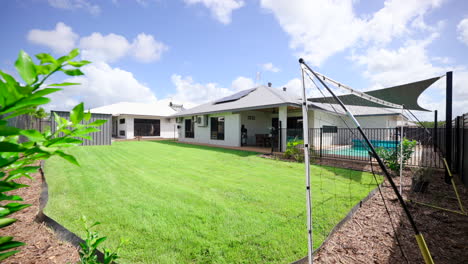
(19, 159)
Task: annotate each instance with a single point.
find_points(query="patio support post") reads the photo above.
(283, 120)
(448, 125)
(434, 138)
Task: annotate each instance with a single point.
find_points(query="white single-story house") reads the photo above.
(250, 117)
(131, 120)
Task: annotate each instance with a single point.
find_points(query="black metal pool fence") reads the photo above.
(345, 143)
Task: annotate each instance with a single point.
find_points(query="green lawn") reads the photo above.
(180, 203)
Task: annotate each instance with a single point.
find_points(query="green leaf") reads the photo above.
(26, 102)
(12, 208)
(43, 92)
(8, 254)
(7, 161)
(11, 147)
(98, 122)
(77, 114)
(8, 131)
(86, 137)
(63, 84)
(85, 131)
(73, 54)
(67, 157)
(45, 58)
(10, 186)
(99, 241)
(6, 221)
(4, 197)
(87, 116)
(72, 72)
(32, 135)
(79, 63)
(45, 69)
(10, 245)
(27, 169)
(5, 239)
(63, 141)
(25, 67)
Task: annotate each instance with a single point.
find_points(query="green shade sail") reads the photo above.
(406, 94)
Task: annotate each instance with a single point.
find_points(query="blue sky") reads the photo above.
(192, 51)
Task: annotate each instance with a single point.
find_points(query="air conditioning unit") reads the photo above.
(179, 120)
(202, 121)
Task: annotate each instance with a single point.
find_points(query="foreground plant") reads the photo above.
(91, 244)
(17, 159)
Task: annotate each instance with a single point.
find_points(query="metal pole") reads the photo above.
(435, 131)
(419, 237)
(401, 152)
(448, 125)
(321, 141)
(305, 125)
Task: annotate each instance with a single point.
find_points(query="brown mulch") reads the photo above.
(42, 246)
(368, 236)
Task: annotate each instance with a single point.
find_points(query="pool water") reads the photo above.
(359, 149)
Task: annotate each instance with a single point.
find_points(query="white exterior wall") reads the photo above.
(377, 121)
(166, 126)
(232, 125)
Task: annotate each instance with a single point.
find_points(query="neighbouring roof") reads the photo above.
(128, 108)
(406, 94)
(251, 99)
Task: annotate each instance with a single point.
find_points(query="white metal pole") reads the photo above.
(305, 128)
(401, 150)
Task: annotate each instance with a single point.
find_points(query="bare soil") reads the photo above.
(42, 246)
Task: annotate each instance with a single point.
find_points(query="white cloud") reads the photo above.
(462, 30)
(270, 67)
(109, 48)
(97, 47)
(146, 49)
(220, 9)
(242, 83)
(61, 40)
(76, 4)
(321, 28)
(102, 85)
(189, 91)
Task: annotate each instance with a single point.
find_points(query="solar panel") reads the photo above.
(234, 97)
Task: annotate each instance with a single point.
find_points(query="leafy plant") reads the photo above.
(17, 159)
(91, 244)
(294, 151)
(391, 156)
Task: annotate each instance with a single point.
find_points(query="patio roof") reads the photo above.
(129, 108)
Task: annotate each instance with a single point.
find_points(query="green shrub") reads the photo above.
(294, 150)
(391, 156)
(20, 98)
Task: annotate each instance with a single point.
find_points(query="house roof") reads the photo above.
(128, 108)
(256, 98)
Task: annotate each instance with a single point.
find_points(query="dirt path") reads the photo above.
(42, 246)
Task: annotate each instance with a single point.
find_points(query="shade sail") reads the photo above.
(406, 94)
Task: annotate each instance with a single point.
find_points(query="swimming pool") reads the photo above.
(360, 149)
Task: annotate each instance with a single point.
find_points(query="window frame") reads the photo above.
(330, 129)
(216, 122)
(189, 133)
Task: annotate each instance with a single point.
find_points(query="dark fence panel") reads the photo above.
(28, 122)
(103, 137)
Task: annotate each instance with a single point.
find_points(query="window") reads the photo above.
(146, 127)
(122, 121)
(189, 130)
(330, 129)
(122, 132)
(217, 128)
(250, 117)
